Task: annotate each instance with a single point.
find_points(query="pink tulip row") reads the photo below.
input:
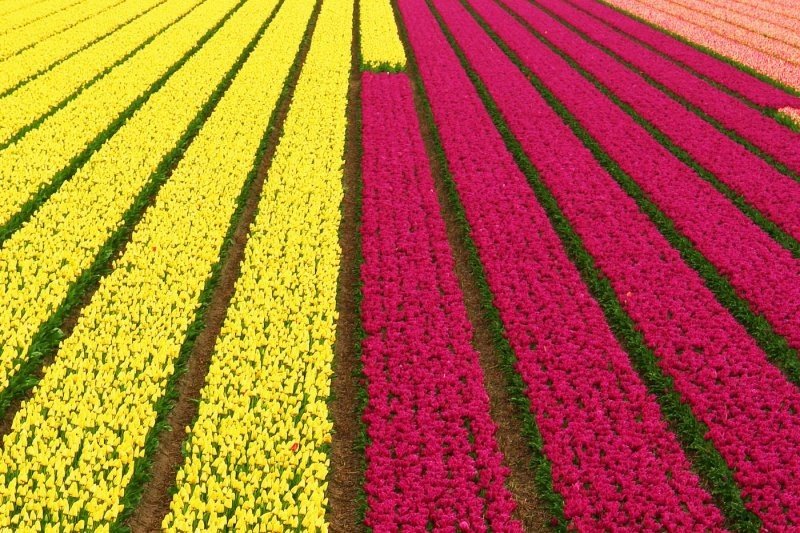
(784, 9)
(764, 132)
(760, 270)
(777, 15)
(433, 460)
(776, 195)
(613, 459)
(742, 49)
(792, 113)
(752, 411)
(755, 90)
(748, 26)
(752, 35)
(772, 4)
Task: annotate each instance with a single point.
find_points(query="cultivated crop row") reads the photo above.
(258, 452)
(432, 457)
(550, 204)
(51, 82)
(762, 45)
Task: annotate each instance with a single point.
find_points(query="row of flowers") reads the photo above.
(759, 269)
(777, 13)
(752, 411)
(122, 348)
(432, 458)
(722, 73)
(31, 163)
(792, 113)
(380, 44)
(17, 15)
(42, 94)
(73, 446)
(763, 187)
(773, 59)
(25, 28)
(44, 54)
(603, 433)
(751, 28)
(257, 455)
(760, 130)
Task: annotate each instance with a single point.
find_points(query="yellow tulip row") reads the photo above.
(381, 48)
(8, 7)
(21, 38)
(22, 107)
(11, 6)
(256, 456)
(31, 163)
(73, 445)
(46, 53)
(40, 262)
(33, 12)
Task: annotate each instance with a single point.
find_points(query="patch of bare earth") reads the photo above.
(530, 511)
(347, 459)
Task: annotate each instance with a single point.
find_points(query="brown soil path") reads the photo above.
(531, 511)
(345, 488)
(154, 504)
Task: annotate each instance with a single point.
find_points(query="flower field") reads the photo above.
(399, 265)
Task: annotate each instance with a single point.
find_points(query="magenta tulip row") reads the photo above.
(762, 131)
(751, 409)
(776, 41)
(774, 58)
(774, 194)
(432, 460)
(612, 456)
(760, 270)
(755, 90)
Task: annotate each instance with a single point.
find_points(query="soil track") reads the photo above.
(510, 436)
(156, 497)
(345, 489)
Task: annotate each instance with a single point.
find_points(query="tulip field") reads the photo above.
(399, 265)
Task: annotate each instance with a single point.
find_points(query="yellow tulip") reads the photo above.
(124, 327)
(266, 348)
(380, 43)
(42, 93)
